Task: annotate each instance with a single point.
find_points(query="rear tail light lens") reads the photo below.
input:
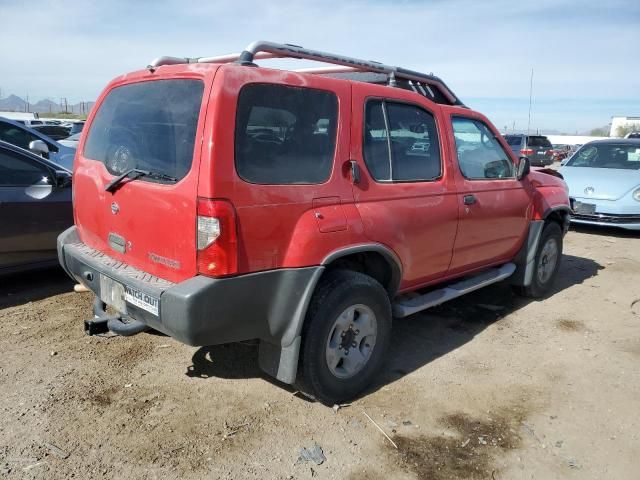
(217, 238)
(526, 151)
(549, 152)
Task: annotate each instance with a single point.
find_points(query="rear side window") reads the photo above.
(400, 143)
(513, 140)
(535, 141)
(148, 125)
(285, 135)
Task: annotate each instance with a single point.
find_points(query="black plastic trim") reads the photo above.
(392, 259)
(563, 209)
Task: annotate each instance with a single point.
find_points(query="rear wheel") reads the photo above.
(345, 336)
(547, 262)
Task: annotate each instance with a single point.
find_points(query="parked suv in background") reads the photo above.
(227, 202)
(537, 148)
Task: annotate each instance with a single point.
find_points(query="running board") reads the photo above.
(404, 308)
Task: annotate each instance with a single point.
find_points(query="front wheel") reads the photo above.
(345, 336)
(547, 262)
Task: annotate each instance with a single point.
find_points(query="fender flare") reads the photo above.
(564, 210)
(281, 361)
(389, 255)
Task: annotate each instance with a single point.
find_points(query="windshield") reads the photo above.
(149, 126)
(607, 155)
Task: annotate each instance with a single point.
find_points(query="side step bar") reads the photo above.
(404, 308)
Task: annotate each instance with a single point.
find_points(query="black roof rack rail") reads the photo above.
(425, 84)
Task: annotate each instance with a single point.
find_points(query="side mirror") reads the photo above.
(563, 162)
(39, 148)
(63, 178)
(523, 169)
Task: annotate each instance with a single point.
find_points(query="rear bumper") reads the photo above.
(203, 311)
(540, 162)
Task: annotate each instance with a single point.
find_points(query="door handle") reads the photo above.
(469, 199)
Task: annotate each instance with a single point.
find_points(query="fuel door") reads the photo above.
(329, 214)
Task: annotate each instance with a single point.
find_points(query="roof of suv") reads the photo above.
(343, 67)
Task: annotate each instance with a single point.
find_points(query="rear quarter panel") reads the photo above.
(277, 224)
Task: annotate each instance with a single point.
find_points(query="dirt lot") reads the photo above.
(487, 387)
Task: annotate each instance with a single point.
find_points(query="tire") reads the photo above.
(344, 303)
(545, 274)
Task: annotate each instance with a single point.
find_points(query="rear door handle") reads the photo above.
(469, 199)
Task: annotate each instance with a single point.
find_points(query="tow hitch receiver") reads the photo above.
(103, 322)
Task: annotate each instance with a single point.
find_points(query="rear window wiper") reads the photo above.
(134, 173)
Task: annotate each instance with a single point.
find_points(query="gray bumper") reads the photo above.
(200, 311)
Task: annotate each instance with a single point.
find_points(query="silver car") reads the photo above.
(604, 183)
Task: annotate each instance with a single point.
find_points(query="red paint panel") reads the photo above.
(157, 221)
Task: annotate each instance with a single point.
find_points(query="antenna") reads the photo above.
(530, 96)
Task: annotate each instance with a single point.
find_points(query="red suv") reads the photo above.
(218, 201)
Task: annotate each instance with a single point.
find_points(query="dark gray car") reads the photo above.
(537, 148)
(35, 207)
(39, 143)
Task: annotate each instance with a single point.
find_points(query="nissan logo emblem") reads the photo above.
(115, 208)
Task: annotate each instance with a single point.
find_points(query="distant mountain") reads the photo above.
(13, 103)
(45, 106)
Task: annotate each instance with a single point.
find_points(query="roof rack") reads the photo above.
(428, 85)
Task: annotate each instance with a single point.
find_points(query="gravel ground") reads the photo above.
(489, 386)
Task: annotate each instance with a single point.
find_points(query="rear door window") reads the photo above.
(400, 142)
(285, 135)
(147, 125)
(513, 140)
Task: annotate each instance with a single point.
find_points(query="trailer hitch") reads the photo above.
(103, 322)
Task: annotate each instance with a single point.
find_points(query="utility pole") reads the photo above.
(26, 107)
(530, 97)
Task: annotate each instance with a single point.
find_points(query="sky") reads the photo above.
(583, 53)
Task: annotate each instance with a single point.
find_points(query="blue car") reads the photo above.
(604, 183)
(22, 136)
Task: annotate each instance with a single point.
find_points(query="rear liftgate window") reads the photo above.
(285, 135)
(148, 125)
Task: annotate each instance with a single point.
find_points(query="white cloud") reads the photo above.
(481, 49)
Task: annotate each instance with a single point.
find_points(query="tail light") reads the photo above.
(550, 152)
(217, 238)
(526, 151)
